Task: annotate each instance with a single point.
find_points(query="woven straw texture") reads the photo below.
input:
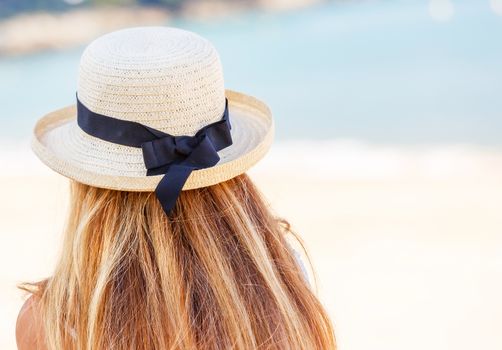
(166, 78)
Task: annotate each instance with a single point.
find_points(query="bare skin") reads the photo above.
(29, 327)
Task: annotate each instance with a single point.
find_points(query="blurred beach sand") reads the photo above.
(406, 242)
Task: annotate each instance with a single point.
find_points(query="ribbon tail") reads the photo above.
(171, 184)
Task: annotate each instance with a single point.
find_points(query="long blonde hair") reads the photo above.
(217, 274)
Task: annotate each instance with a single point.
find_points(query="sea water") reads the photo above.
(378, 72)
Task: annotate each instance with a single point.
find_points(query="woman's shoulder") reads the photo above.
(29, 326)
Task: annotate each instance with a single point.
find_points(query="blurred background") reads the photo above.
(387, 160)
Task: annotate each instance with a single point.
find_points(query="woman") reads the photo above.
(168, 244)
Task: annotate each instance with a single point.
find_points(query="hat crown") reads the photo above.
(167, 78)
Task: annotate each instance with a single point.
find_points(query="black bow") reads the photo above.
(174, 156)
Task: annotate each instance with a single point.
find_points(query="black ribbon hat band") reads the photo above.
(174, 156)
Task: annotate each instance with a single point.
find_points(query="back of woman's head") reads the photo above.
(217, 273)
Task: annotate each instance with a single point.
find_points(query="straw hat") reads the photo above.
(167, 79)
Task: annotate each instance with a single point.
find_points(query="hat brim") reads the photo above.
(64, 147)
